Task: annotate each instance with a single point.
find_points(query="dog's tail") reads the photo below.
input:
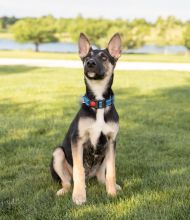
(54, 175)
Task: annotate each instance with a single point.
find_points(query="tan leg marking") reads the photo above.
(61, 167)
(101, 175)
(79, 190)
(110, 170)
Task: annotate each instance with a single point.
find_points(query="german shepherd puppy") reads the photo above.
(89, 146)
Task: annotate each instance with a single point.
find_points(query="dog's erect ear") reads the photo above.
(114, 46)
(84, 45)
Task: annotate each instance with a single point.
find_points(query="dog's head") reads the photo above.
(99, 63)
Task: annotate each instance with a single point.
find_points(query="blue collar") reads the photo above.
(98, 103)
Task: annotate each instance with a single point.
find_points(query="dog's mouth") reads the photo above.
(94, 76)
(91, 74)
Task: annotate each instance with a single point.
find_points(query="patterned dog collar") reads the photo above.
(98, 104)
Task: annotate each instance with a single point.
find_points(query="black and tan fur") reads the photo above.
(89, 146)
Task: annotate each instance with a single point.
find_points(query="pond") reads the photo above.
(7, 44)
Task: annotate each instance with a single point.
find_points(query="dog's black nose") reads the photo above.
(91, 63)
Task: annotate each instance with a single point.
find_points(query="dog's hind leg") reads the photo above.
(101, 175)
(60, 167)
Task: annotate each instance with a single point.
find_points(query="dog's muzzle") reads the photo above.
(94, 69)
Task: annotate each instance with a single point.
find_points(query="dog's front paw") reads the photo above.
(61, 192)
(79, 197)
(112, 190)
(112, 193)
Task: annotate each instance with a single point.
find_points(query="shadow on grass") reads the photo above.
(8, 70)
(152, 158)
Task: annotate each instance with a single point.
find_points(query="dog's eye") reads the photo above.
(104, 58)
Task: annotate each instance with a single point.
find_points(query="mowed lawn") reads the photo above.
(153, 151)
(163, 58)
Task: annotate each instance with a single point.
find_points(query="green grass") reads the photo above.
(153, 162)
(39, 55)
(74, 56)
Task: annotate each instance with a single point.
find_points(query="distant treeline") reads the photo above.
(135, 33)
(6, 21)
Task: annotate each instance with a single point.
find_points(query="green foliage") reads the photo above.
(187, 35)
(40, 30)
(62, 24)
(1, 23)
(135, 33)
(153, 163)
(100, 31)
(95, 29)
(6, 21)
(168, 31)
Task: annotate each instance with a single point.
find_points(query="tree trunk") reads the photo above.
(36, 47)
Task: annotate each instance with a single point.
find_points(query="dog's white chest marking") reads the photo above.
(97, 127)
(90, 128)
(99, 86)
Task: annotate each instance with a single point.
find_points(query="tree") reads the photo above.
(187, 35)
(1, 23)
(168, 31)
(133, 33)
(37, 31)
(95, 29)
(5, 21)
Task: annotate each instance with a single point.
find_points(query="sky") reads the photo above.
(126, 9)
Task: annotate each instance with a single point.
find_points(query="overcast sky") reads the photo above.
(129, 9)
